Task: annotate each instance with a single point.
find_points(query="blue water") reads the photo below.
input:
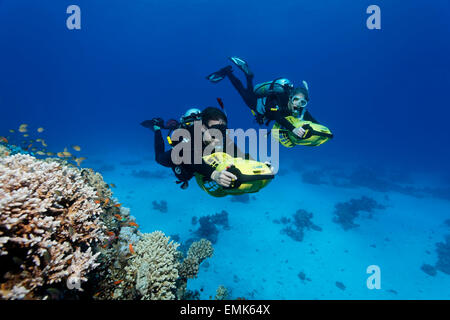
(383, 93)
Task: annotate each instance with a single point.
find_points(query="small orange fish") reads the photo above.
(79, 160)
(23, 128)
(29, 146)
(7, 153)
(104, 246)
(134, 224)
(60, 154)
(117, 282)
(110, 233)
(112, 185)
(106, 202)
(118, 217)
(97, 201)
(130, 246)
(118, 205)
(4, 139)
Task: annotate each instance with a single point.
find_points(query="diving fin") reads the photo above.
(219, 75)
(150, 124)
(241, 64)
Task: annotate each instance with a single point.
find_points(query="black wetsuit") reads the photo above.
(272, 101)
(184, 172)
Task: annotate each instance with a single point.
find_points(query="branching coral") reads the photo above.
(153, 267)
(4, 152)
(48, 222)
(443, 251)
(208, 225)
(198, 251)
(302, 221)
(95, 180)
(346, 212)
(222, 293)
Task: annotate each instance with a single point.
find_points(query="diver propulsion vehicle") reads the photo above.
(315, 134)
(251, 175)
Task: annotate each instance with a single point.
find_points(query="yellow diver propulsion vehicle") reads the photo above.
(251, 175)
(315, 135)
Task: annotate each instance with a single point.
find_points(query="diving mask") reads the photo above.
(298, 101)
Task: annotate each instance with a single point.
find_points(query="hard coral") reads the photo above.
(346, 212)
(48, 222)
(302, 221)
(153, 268)
(197, 253)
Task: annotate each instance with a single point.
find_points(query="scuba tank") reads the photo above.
(277, 86)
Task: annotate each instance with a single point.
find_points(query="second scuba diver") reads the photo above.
(271, 100)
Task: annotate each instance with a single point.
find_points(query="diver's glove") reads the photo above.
(300, 132)
(223, 177)
(154, 124)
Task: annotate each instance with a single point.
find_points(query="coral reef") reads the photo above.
(197, 253)
(340, 285)
(443, 252)
(429, 269)
(301, 221)
(222, 293)
(208, 225)
(62, 236)
(153, 268)
(346, 212)
(4, 151)
(48, 223)
(95, 180)
(160, 206)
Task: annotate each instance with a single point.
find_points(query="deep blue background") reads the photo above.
(384, 93)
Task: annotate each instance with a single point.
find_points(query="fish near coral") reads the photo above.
(40, 130)
(118, 205)
(133, 224)
(76, 148)
(130, 246)
(118, 282)
(79, 160)
(118, 217)
(23, 128)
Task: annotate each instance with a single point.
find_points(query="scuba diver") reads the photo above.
(209, 118)
(271, 100)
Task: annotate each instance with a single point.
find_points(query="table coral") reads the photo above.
(48, 224)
